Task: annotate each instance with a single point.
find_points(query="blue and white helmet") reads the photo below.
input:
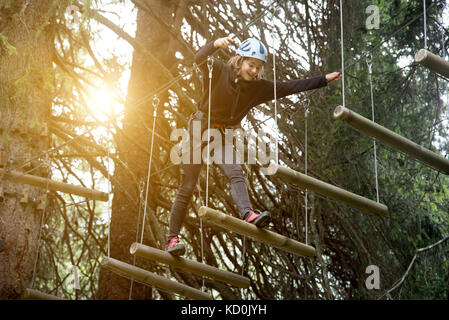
(253, 48)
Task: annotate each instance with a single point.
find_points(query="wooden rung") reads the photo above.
(189, 265)
(328, 190)
(375, 130)
(36, 181)
(31, 294)
(247, 229)
(433, 62)
(149, 278)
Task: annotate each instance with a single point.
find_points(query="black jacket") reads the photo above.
(231, 100)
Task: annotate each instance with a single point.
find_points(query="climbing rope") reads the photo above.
(306, 116)
(210, 67)
(275, 98)
(155, 103)
(425, 24)
(369, 63)
(47, 163)
(109, 199)
(342, 54)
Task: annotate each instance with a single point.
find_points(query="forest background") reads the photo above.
(76, 103)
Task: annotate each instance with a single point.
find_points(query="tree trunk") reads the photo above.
(126, 220)
(26, 80)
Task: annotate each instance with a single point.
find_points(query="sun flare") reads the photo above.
(101, 102)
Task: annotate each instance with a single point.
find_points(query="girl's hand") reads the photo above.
(223, 42)
(334, 76)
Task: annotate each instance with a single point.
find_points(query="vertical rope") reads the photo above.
(306, 116)
(244, 262)
(369, 63)
(155, 105)
(443, 47)
(210, 65)
(47, 164)
(109, 198)
(141, 202)
(342, 54)
(425, 24)
(275, 97)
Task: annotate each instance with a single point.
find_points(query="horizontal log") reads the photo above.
(192, 266)
(328, 190)
(152, 279)
(433, 62)
(247, 229)
(391, 138)
(31, 294)
(40, 182)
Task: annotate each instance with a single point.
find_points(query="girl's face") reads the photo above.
(250, 69)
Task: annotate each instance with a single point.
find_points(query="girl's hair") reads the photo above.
(236, 64)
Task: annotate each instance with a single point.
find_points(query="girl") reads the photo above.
(236, 88)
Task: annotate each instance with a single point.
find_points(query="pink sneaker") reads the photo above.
(174, 247)
(259, 219)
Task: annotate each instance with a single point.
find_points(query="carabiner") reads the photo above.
(369, 63)
(210, 64)
(156, 101)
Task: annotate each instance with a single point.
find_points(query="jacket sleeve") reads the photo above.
(200, 59)
(287, 88)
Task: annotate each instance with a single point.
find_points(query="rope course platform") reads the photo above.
(40, 182)
(328, 190)
(192, 266)
(432, 62)
(31, 294)
(391, 138)
(149, 278)
(247, 229)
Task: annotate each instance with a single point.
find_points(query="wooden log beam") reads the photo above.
(149, 278)
(189, 265)
(40, 182)
(250, 230)
(391, 138)
(31, 294)
(433, 62)
(328, 190)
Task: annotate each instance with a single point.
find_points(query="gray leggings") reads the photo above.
(189, 178)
